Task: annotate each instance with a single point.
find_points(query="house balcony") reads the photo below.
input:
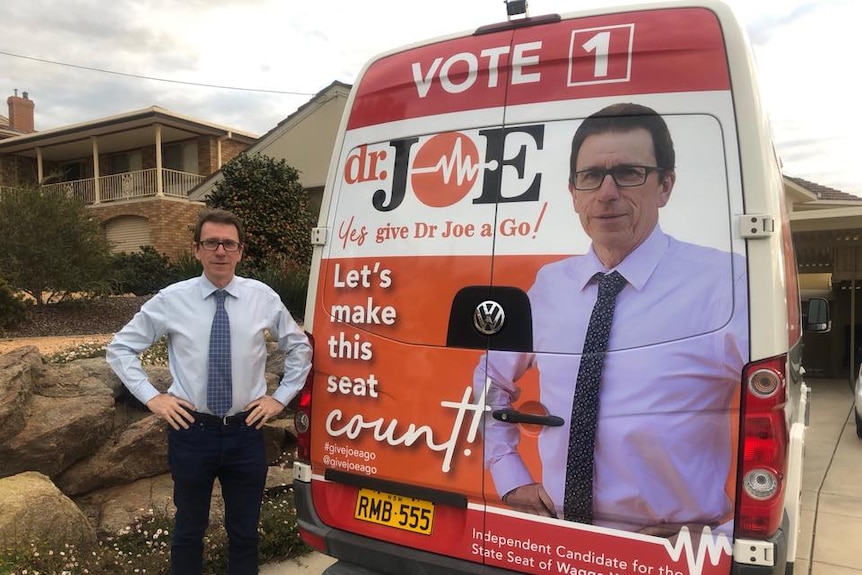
(129, 186)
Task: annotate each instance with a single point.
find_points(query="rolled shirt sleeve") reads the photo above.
(297, 358)
(495, 376)
(124, 351)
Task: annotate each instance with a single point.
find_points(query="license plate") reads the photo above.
(395, 511)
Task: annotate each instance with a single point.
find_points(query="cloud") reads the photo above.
(83, 29)
(761, 30)
(803, 49)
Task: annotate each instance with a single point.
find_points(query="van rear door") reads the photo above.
(650, 427)
(398, 452)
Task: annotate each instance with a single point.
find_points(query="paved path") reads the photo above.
(831, 538)
(831, 533)
(48, 346)
(314, 563)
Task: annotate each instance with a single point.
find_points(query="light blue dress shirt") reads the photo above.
(678, 343)
(184, 312)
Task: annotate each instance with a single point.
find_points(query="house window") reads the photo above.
(182, 157)
(119, 164)
(126, 162)
(72, 171)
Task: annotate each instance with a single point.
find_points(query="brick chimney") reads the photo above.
(21, 116)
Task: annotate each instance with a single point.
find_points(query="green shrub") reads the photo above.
(148, 271)
(289, 282)
(186, 266)
(13, 308)
(141, 273)
(52, 245)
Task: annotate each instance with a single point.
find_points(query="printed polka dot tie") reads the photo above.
(219, 392)
(578, 499)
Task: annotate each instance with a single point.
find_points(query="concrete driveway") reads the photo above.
(832, 491)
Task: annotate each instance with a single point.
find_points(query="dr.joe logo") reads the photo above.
(443, 169)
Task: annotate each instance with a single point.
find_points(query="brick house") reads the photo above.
(133, 170)
(304, 139)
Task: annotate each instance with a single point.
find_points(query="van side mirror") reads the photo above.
(817, 317)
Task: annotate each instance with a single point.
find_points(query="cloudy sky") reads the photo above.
(184, 55)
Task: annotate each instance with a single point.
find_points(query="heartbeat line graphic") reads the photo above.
(714, 546)
(459, 165)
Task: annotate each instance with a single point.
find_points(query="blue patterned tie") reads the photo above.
(578, 498)
(219, 392)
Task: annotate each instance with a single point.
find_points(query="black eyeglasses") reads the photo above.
(624, 176)
(212, 245)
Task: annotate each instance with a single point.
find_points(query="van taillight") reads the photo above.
(764, 439)
(302, 412)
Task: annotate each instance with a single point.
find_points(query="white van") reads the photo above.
(482, 401)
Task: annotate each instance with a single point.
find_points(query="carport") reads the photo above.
(827, 235)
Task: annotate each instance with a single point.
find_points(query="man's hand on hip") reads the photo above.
(172, 409)
(262, 409)
(531, 498)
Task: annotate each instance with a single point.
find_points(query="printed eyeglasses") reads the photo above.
(624, 176)
(212, 245)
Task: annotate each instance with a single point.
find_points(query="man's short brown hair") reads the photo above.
(219, 217)
(625, 117)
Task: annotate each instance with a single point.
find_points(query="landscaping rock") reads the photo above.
(32, 509)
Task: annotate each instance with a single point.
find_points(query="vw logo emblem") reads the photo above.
(489, 317)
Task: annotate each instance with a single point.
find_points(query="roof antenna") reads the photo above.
(516, 8)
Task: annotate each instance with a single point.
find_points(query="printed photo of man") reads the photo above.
(640, 344)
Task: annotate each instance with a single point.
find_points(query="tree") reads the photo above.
(50, 245)
(13, 308)
(266, 195)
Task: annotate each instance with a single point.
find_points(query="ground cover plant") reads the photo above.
(145, 546)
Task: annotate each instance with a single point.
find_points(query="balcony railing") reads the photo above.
(129, 185)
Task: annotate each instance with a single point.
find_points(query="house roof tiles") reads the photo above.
(825, 192)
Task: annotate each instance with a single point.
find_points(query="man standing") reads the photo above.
(640, 348)
(216, 326)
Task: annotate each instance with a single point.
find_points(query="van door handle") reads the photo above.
(515, 416)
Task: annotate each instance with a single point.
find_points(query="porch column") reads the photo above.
(218, 153)
(97, 196)
(159, 184)
(40, 172)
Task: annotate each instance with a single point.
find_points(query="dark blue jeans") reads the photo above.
(197, 456)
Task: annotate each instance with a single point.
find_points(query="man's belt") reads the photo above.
(226, 421)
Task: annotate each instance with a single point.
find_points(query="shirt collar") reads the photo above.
(637, 267)
(208, 288)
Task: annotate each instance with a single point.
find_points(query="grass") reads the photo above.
(145, 546)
